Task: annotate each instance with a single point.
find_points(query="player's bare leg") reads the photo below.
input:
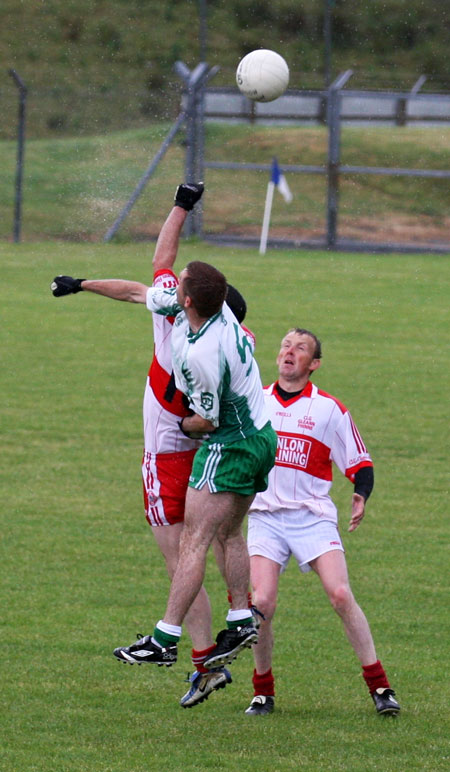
(198, 623)
(202, 520)
(198, 618)
(200, 525)
(264, 578)
(206, 513)
(219, 555)
(331, 568)
(236, 563)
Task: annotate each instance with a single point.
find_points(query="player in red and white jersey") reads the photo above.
(168, 452)
(314, 429)
(296, 516)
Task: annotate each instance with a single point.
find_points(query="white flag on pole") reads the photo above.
(277, 180)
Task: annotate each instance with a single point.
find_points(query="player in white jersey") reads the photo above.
(296, 516)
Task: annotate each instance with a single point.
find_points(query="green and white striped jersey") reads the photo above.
(215, 368)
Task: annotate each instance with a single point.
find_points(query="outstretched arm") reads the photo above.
(186, 196)
(117, 289)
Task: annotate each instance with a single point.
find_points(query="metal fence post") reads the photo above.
(195, 85)
(199, 160)
(192, 80)
(189, 117)
(401, 112)
(334, 142)
(20, 153)
(197, 214)
(418, 85)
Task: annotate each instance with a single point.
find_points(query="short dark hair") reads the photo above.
(318, 345)
(206, 286)
(237, 303)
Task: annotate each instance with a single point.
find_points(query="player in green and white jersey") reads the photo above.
(214, 366)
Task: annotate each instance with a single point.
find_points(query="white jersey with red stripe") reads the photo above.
(163, 404)
(314, 429)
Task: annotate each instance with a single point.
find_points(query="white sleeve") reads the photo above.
(203, 387)
(348, 450)
(163, 301)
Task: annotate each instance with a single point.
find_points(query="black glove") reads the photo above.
(187, 194)
(65, 285)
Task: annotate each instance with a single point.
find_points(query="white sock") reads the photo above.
(238, 614)
(169, 629)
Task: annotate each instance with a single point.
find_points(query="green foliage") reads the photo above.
(109, 36)
(87, 45)
(80, 572)
(253, 12)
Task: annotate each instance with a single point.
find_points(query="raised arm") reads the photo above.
(168, 240)
(186, 196)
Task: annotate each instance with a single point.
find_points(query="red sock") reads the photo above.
(198, 658)
(249, 598)
(375, 677)
(264, 683)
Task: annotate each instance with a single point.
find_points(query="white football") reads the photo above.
(262, 75)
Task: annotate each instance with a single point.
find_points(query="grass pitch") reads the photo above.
(80, 571)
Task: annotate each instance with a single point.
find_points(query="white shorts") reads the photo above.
(278, 536)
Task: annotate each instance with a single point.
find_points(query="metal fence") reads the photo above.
(295, 107)
(333, 108)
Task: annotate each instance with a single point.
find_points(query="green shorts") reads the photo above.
(239, 467)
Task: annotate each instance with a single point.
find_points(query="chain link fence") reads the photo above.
(88, 204)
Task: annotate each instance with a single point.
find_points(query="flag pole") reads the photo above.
(266, 218)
